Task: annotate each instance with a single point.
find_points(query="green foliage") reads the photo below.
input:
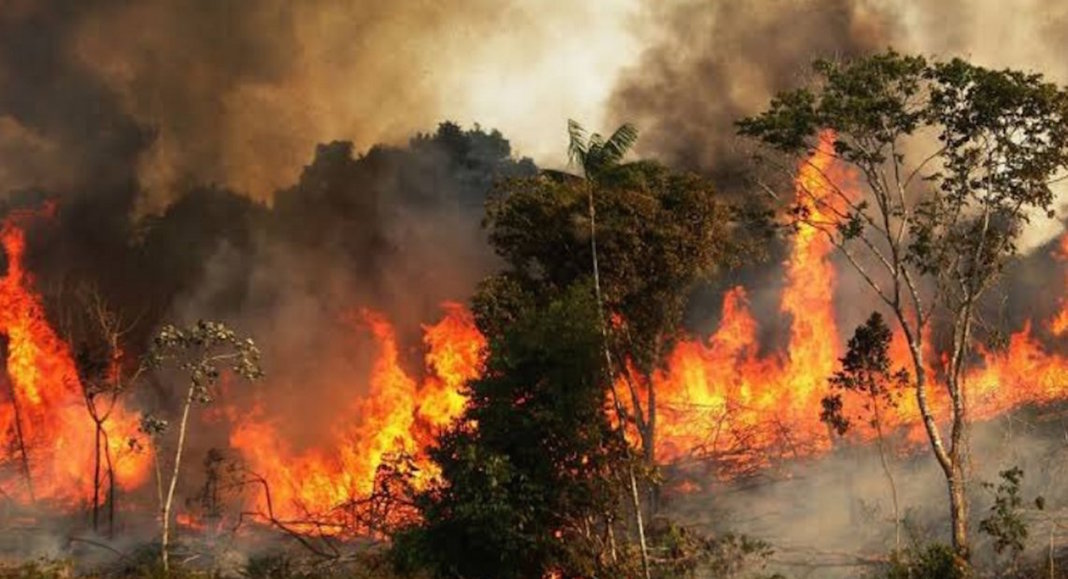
(865, 370)
(595, 154)
(1004, 523)
(931, 561)
(1001, 137)
(531, 488)
(950, 160)
(679, 552)
(658, 233)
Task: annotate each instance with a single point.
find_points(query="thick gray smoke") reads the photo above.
(113, 109)
(713, 63)
(708, 64)
(240, 92)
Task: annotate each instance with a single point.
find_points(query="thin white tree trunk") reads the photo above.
(166, 511)
(611, 379)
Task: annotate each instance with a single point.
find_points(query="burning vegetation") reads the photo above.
(439, 360)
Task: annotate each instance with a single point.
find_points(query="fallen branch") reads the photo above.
(104, 546)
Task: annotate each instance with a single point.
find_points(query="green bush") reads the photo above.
(932, 561)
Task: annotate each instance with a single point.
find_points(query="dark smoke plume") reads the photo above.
(716, 62)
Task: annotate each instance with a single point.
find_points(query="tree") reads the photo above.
(954, 158)
(657, 233)
(866, 371)
(201, 352)
(97, 331)
(530, 481)
(596, 155)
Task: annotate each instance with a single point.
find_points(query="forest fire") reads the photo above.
(533, 289)
(720, 398)
(48, 437)
(397, 416)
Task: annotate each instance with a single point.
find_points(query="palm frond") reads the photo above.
(594, 145)
(577, 147)
(618, 144)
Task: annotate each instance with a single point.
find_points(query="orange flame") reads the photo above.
(720, 399)
(45, 427)
(395, 416)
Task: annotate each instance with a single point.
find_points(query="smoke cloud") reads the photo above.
(707, 64)
(239, 93)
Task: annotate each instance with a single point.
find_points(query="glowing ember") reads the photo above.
(48, 438)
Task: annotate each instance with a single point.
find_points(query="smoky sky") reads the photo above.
(239, 93)
(168, 131)
(716, 62)
(704, 65)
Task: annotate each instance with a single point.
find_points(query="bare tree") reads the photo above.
(200, 352)
(96, 331)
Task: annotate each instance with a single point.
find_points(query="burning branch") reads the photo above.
(269, 516)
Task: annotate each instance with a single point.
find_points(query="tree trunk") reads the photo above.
(958, 504)
(165, 538)
(611, 382)
(111, 487)
(649, 442)
(96, 479)
(20, 439)
(949, 461)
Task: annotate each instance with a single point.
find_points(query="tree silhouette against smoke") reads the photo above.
(932, 231)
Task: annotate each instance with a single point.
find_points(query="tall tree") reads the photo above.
(952, 159)
(656, 234)
(596, 155)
